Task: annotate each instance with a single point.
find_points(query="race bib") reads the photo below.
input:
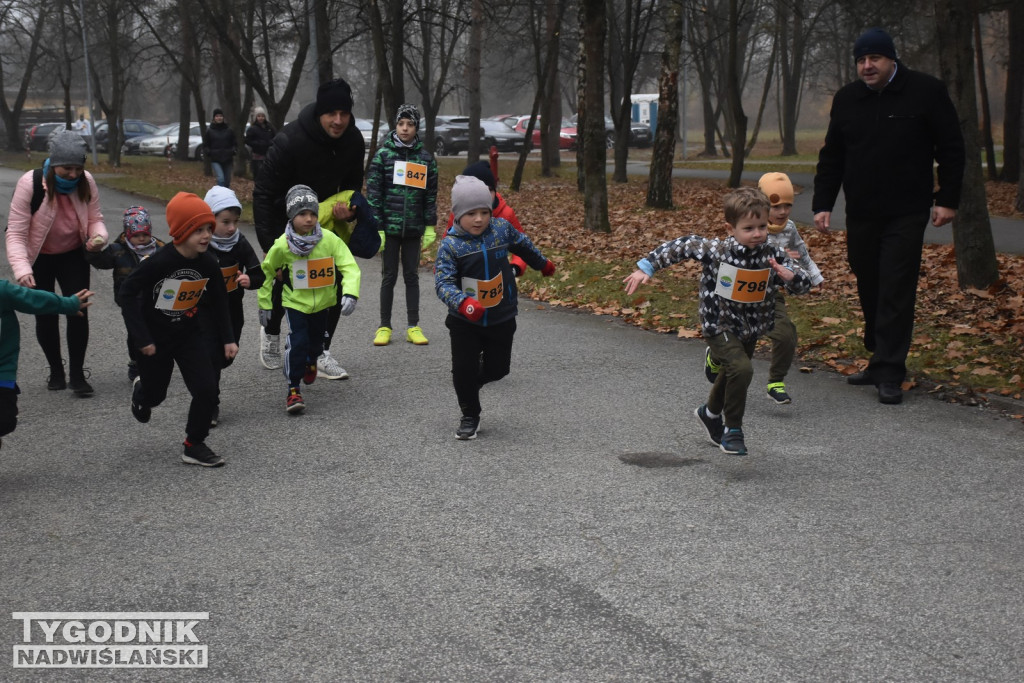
(230, 277)
(741, 285)
(180, 295)
(313, 273)
(409, 174)
(488, 292)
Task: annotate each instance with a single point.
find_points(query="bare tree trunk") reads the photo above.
(551, 109)
(581, 98)
(659, 189)
(322, 31)
(734, 97)
(595, 192)
(1013, 121)
(986, 117)
(972, 232)
(764, 98)
(11, 113)
(476, 39)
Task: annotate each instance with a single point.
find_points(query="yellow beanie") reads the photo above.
(777, 187)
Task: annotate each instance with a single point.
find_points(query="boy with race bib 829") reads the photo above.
(309, 260)
(741, 276)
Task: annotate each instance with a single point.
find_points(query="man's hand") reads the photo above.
(230, 350)
(942, 215)
(343, 212)
(148, 350)
(823, 220)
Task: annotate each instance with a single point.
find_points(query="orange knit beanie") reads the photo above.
(185, 213)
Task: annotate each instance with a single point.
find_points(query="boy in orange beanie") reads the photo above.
(159, 303)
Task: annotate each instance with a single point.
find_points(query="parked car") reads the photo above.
(451, 135)
(133, 128)
(37, 137)
(639, 133)
(500, 135)
(566, 135)
(365, 127)
(507, 119)
(165, 141)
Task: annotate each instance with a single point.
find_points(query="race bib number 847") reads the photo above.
(741, 285)
(409, 174)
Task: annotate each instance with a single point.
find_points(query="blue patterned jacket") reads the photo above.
(462, 258)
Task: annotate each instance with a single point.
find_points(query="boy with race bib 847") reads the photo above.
(741, 277)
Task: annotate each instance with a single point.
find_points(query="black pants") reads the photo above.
(885, 255)
(191, 353)
(71, 271)
(8, 409)
(306, 332)
(406, 249)
(479, 355)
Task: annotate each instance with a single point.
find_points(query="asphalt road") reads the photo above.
(589, 534)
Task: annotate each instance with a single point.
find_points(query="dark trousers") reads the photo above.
(276, 309)
(191, 353)
(406, 249)
(8, 409)
(306, 333)
(783, 339)
(885, 255)
(479, 355)
(71, 271)
(728, 395)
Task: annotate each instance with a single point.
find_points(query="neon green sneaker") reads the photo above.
(415, 335)
(383, 336)
(711, 368)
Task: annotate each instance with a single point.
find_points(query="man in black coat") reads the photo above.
(323, 149)
(885, 132)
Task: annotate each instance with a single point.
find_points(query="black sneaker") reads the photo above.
(215, 418)
(777, 393)
(732, 442)
(141, 412)
(133, 370)
(56, 381)
(200, 454)
(711, 368)
(713, 426)
(468, 427)
(79, 385)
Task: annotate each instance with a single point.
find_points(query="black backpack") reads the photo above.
(38, 193)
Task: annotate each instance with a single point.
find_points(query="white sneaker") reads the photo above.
(270, 350)
(328, 368)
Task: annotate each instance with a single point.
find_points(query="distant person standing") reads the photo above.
(886, 130)
(220, 145)
(81, 126)
(323, 150)
(258, 137)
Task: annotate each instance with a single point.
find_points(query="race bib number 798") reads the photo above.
(742, 285)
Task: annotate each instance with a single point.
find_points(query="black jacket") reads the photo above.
(880, 147)
(219, 143)
(259, 138)
(303, 154)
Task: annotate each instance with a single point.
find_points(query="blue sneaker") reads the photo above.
(732, 442)
(713, 426)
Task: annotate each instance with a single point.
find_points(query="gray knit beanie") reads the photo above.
(300, 198)
(67, 148)
(469, 193)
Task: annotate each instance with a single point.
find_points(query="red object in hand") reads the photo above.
(471, 308)
(548, 270)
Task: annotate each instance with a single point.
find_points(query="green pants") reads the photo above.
(728, 395)
(783, 339)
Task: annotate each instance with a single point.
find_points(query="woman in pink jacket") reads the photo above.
(46, 232)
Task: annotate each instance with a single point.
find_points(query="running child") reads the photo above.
(123, 256)
(473, 277)
(160, 305)
(309, 261)
(740, 280)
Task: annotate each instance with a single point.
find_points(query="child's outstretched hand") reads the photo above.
(780, 270)
(230, 351)
(83, 300)
(635, 279)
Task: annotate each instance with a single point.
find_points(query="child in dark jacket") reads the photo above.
(36, 301)
(474, 279)
(160, 305)
(401, 186)
(240, 268)
(123, 256)
(741, 277)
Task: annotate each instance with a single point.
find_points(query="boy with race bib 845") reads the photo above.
(741, 276)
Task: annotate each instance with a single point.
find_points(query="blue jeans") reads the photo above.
(222, 172)
(305, 343)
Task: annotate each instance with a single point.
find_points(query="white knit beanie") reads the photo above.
(469, 193)
(220, 198)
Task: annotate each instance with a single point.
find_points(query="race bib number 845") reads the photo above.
(741, 285)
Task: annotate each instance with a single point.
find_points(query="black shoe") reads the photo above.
(713, 426)
(890, 393)
(860, 379)
(141, 412)
(711, 368)
(79, 385)
(468, 427)
(200, 454)
(777, 393)
(732, 442)
(56, 381)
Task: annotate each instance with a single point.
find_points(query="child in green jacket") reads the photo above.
(309, 260)
(17, 298)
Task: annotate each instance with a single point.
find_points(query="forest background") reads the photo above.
(738, 80)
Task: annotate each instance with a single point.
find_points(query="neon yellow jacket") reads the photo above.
(280, 257)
